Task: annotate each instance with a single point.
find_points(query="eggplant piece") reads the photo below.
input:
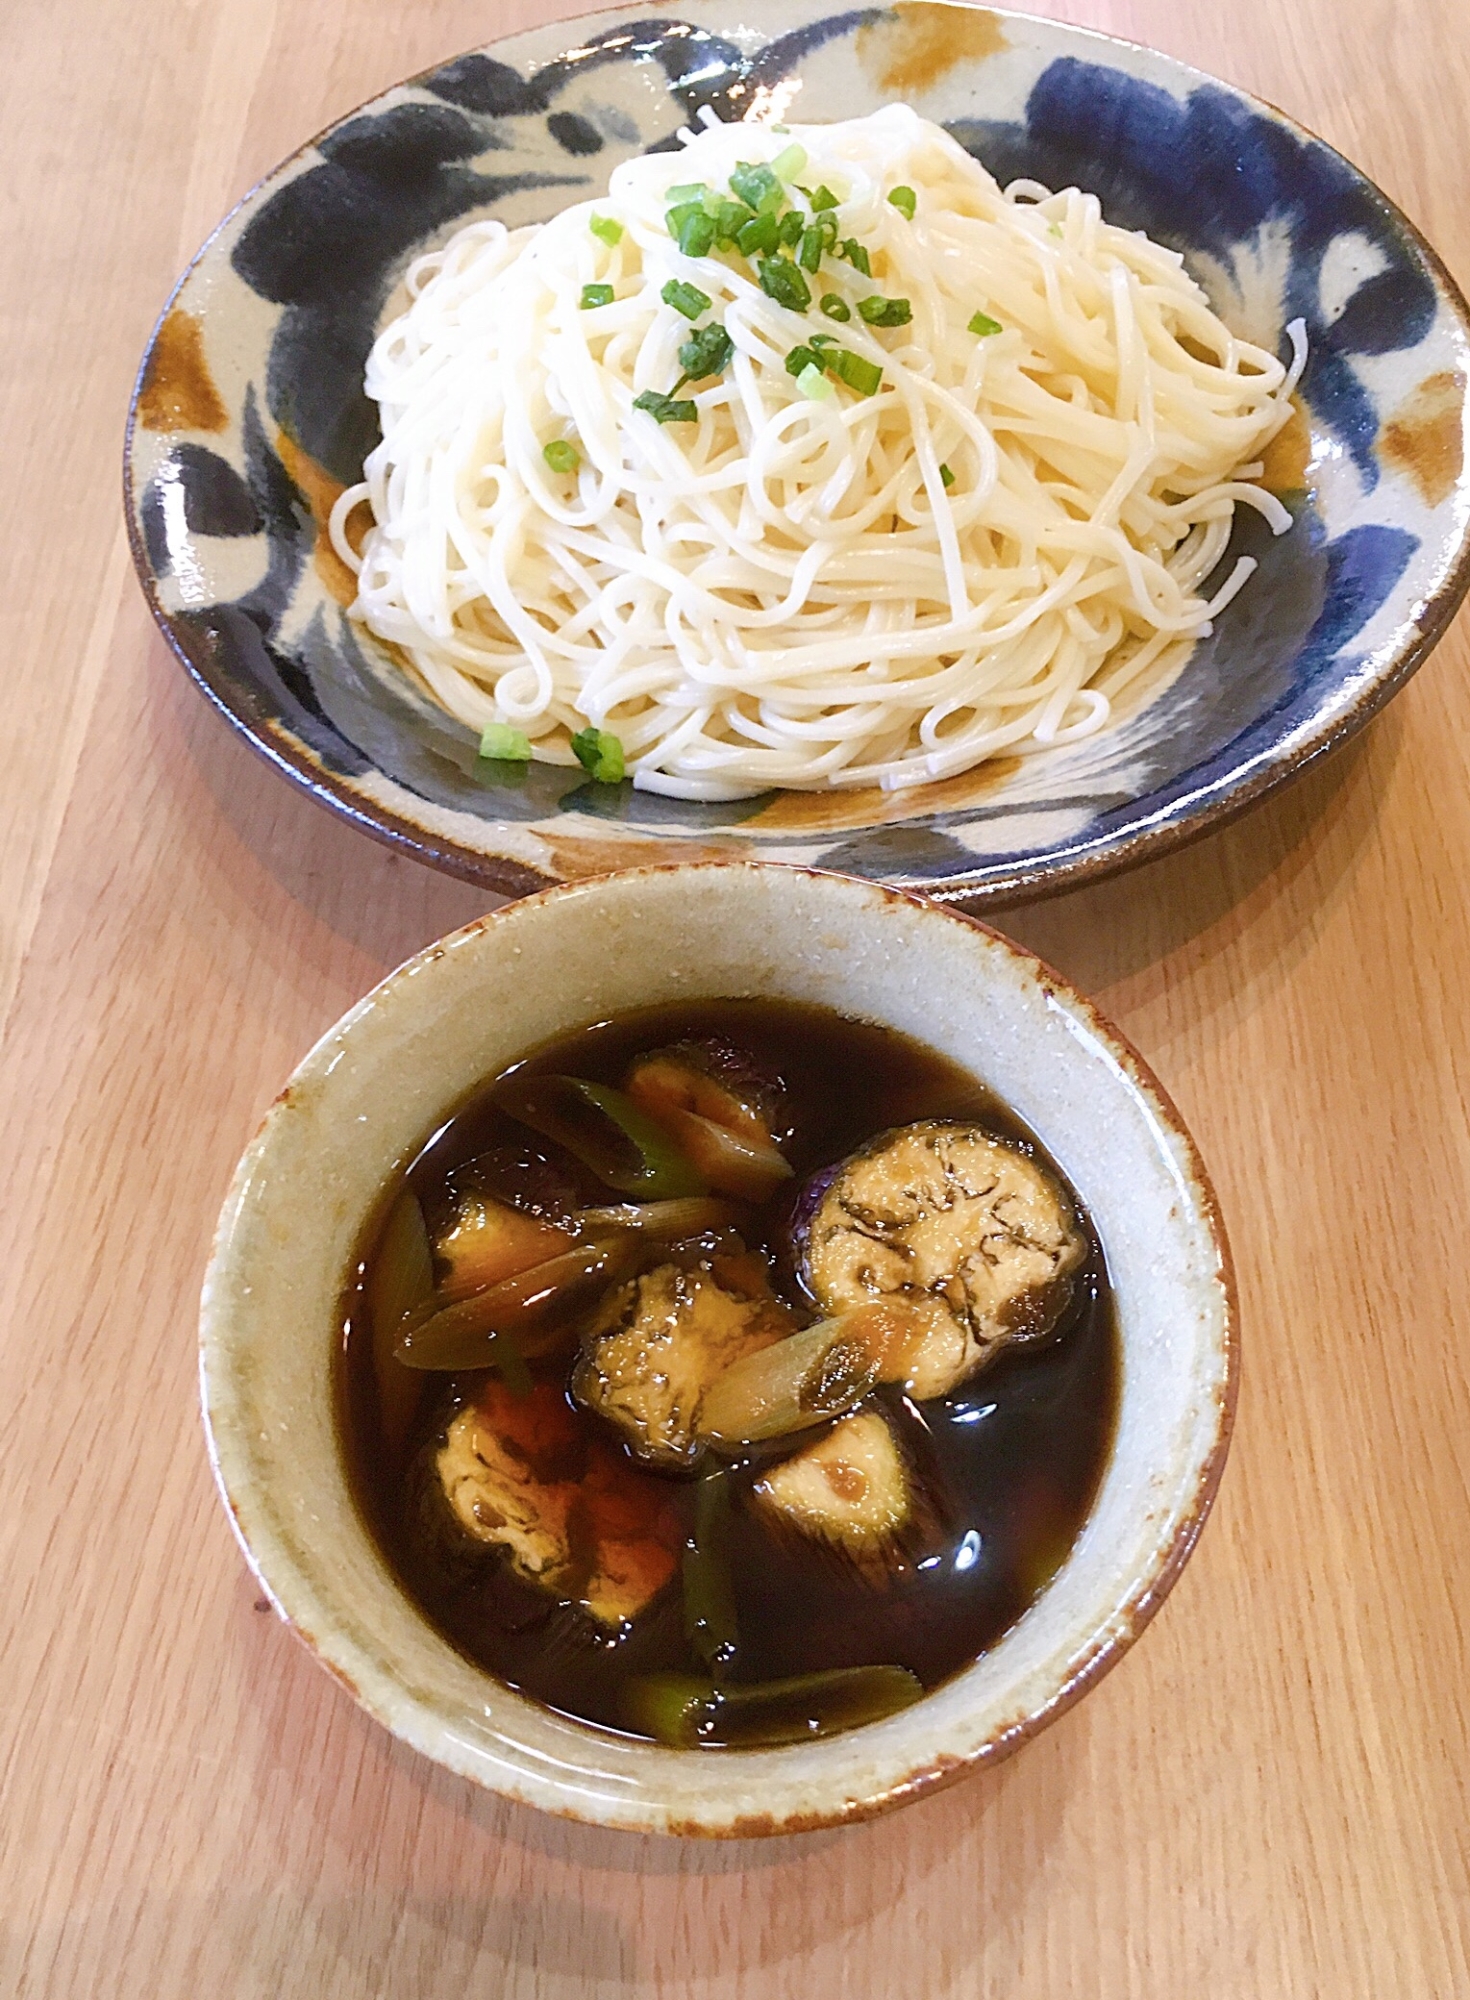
(490, 1241)
(965, 1228)
(509, 1467)
(578, 1522)
(712, 1102)
(851, 1489)
(658, 1342)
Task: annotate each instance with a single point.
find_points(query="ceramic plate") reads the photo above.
(249, 418)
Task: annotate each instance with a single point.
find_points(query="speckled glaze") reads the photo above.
(367, 1096)
(249, 418)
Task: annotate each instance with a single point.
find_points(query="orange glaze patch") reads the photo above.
(839, 812)
(573, 858)
(1426, 436)
(321, 493)
(1285, 460)
(918, 43)
(178, 392)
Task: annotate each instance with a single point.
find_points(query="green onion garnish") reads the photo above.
(791, 227)
(946, 475)
(606, 230)
(667, 409)
(504, 744)
(905, 201)
(857, 256)
(730, 217)
(686, 299)
(886, 312)
(820, 340)
(696, 234)
(813, 243)
(835, 307)
(757, 187)
(1054, 229)
(864, 376)
(789, 162)
(814, 385)
(705, 352)
(984, 325)
(761, 234)
(600, 755)
(561, 456)
(823, 198)
(596, 295)
(781, 281)
(686, 191)
(802, 357)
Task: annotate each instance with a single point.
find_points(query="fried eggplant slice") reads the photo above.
(581, 1524)
(509, 1468)
(658, 1342)
(967, 1228)
(851, 1488)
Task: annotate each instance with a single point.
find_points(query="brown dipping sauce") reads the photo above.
(1008, 1464)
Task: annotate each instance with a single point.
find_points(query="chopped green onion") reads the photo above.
(603, 1129)
(886, 312)
(809, 256)
(905, 201)
(826, 225)
(761, 234)
(705, 352)
(696, 234)
(946, 475)
(687, 1712)
(709, 1594)
(814, 385)
(686, 191)
(822, 340)
(600, 755)
(667, 409)
(823, 198)
(857, 256)
(835, 307)
(781, 281)
(730, 217)
(504, 744)
(802, 357)
(757, 187)
(858, 373)
(606, 230)
(789, 162)
(596, 295)
(984, 325)
(791, 227)
(561, 456)
(1054, 229)
(686, 299)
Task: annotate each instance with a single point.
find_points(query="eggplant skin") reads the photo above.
(661, 1340)
(966, 1227)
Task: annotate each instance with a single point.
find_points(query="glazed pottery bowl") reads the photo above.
(250, 418)
(366, 1098)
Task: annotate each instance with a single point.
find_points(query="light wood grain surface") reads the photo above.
(1267, 1801)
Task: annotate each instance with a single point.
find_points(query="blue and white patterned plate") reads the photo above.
(249, 418)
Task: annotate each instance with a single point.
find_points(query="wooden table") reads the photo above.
(1267, 1801)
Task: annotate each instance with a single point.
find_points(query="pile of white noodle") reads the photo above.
(785, 592)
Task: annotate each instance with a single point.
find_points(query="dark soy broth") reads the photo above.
(1007, 1464)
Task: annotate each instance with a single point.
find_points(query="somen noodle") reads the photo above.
(952, 506)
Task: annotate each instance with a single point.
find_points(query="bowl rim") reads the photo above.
(938, 1768)
(1036, 877)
